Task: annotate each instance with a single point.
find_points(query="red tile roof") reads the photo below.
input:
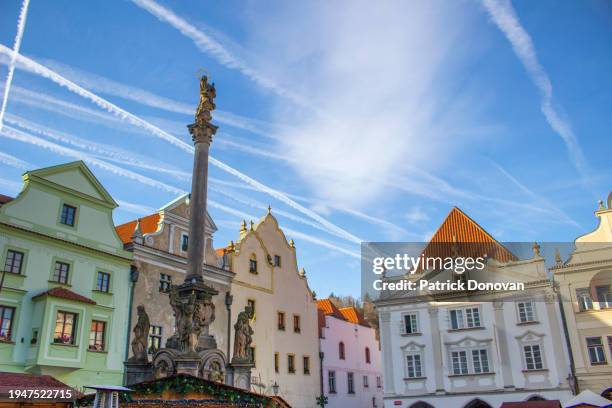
(29, 380)
(471, 238)
(148, 225)
(5, 199)
(352, 315)
(329, 308)
(64, 293)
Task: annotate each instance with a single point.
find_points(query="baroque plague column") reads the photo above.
(191, 349)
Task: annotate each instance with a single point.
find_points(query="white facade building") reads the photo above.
(451, 350)
(352, 374)
(286, 342)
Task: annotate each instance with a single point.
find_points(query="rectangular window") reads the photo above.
(60, 273)
(350, 380)
(7, 315)
(97, 335)
(296, 324)
(331, 380)
(13, 262)
(533, 357)
(291, 363)
(281, 321)
(164, 282)
(68, 215)
(103, 283)
(472, 315)
(253, 264)
(459, 362)
(610, 344)
(604, 296)
(276, 363)
(526, 312)
(480, 360)
(584, 299)
(251, 304)
(365, 381)
(184, 242)
(277, 260)
(306, 361)
(65, 328)
(155, 337)
(413, 365)
(457, 319)
(596, 350)
(411, 324)
(465, 318)
(378, 382)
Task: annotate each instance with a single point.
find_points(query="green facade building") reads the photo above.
(64, 300)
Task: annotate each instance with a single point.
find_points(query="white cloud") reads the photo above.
(416, 215)
(377, 72)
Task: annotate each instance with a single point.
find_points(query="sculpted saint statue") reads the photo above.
(141, 336)
(243, 335)
(207, 104)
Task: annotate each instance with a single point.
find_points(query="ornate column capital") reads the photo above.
(498, 304)
(202, 132)
(433, 311)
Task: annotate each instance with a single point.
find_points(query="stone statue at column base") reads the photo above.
(242, 361)
(138, 368)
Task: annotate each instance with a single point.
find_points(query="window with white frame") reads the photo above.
(596, 350)
(365, 381)
(378, 382)
(532, 353)
(480, 361)
(414, 367)
(585, 302)
(459, 362)
(331, 379)
(465, 318)
(411, 323)
(526, 311)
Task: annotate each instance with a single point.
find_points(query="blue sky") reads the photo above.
(369, 123)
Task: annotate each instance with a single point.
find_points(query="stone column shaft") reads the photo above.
(202, 137)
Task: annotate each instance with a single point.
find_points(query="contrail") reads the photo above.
(212, 47)
(109, 152)
(14, 161)
(100, 84)
(36, 68)
(14, 134)
(504, 16)
(305, 237)
(11, 71)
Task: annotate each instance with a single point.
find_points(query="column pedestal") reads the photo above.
(137, 372)
(241, 375)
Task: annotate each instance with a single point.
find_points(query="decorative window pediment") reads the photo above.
(530, 336)
(468, 341)
(412, 346)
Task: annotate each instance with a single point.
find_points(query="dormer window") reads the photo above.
(68, 215)
(184, 242)
(253, 264)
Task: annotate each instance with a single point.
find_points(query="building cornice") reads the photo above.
(60, 241)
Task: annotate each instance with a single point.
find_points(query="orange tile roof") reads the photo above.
(148, 225)
(352, 315)
(329, 309)
(64, 293)
(459, 228)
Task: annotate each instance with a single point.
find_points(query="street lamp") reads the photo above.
(275, 388)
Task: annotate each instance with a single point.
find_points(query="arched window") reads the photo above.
(477, 403)
(367, 353)
(421, 404)
(253, 263)
(341, 350)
